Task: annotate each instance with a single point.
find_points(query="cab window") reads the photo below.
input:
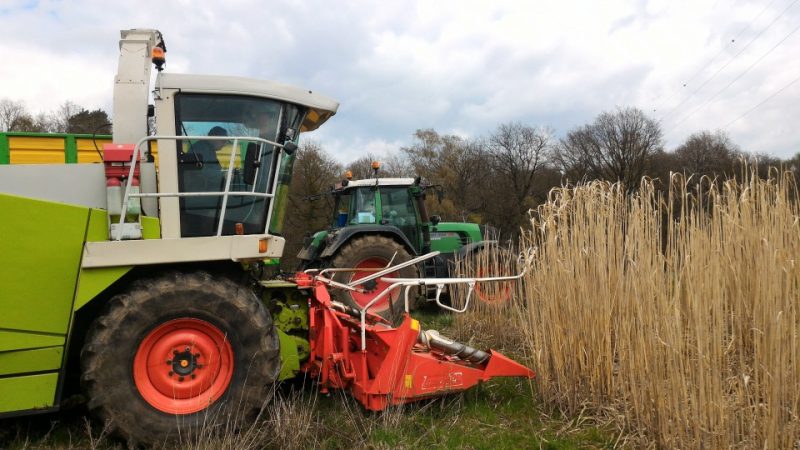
(397, 207)
(203, 164)
(364, 206)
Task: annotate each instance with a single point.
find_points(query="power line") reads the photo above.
(761, 103)
(730, 61)
(721, 51)
(710, 99)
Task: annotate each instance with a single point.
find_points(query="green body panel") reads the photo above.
(319, 236)
(27, 392)
(97, 230)
(40, 253)
(26, 361)
(70, 150)
(281, 200)
(20, 340)
(290, 359)
(289, 309)
(5, 151)
(93, 281)
(449, 237)
(151, 227)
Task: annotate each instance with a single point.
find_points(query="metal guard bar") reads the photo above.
(440, 284)
(224, 194)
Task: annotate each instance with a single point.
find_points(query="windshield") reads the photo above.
(398, 209)
(203, 164)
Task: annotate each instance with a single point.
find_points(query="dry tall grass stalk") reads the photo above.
(679, 312)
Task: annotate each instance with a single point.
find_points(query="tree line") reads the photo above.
(67, 118)
(493, 179)
(497, 178)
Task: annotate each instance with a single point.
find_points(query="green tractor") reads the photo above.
(378, 221)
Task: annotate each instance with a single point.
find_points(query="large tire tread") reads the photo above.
(363, 247)
(114, 337)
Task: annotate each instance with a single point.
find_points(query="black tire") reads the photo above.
(107, 358)
(364, 248)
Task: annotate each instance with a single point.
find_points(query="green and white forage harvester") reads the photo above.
(137, 281)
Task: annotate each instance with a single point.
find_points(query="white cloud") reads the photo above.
(455, 66)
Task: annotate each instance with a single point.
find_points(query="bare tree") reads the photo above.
(362, 167)
(616, 147)
(392, 165)
(707, 153)
(60, 117)
(458, 164)
(315, 172)
(11, 112)
(516, 153)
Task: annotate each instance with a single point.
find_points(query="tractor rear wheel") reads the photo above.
(493, 261)
(372, 252)
(176, 355)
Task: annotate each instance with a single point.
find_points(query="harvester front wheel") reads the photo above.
(177, 355)
(368, 253)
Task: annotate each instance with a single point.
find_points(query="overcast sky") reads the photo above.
(459, 67)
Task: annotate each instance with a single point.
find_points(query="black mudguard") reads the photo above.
(345, 234)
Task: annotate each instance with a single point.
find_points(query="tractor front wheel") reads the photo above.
(368, 253)
(177, 355)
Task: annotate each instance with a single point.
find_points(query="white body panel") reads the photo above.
(169, 207)
(381, 182)
(164, 251)
(132, 85)
(321, 107)
(76, 184)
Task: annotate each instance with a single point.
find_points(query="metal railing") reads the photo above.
(225, 194)
(408, 283)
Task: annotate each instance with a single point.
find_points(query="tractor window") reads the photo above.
(341, 211)
(203, 164)
(364, 206)
(398, 210)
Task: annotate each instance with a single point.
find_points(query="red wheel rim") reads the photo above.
(182, 366)
(373, 287)
(496, 294)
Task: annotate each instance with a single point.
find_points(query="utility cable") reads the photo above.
(721, 51)
(710, 99)
(761, 103)
(730, 60)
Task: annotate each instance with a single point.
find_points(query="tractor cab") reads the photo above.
(392, 202)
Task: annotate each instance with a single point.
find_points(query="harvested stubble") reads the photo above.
(676, 313)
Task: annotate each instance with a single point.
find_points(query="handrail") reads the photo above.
(224, 194)
(408, 283)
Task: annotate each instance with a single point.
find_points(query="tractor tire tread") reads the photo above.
(107, 377)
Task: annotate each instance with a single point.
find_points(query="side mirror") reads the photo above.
(251, 163)
(435, 219)
(289, 147)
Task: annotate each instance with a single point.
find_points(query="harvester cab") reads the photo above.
(224, 156)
